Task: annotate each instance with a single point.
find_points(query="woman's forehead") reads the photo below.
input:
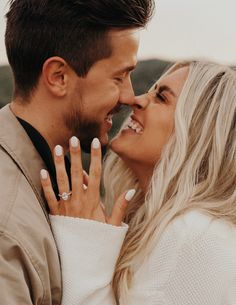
(171, 79)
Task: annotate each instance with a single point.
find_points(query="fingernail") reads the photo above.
(58, 150)
(130, 194)
(96, 143)
(85, 187)
(85, 173)
(44, 174)
(74, 142)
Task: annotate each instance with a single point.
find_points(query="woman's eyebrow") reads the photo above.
(165, 88)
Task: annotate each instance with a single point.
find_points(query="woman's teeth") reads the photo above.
(134, 125)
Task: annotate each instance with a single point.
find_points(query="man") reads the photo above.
(71, 62)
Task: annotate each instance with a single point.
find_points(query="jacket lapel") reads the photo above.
(15, 141)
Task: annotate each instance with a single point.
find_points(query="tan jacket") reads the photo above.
(29, 264)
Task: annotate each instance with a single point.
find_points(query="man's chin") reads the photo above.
(104, 143)
(104, 139)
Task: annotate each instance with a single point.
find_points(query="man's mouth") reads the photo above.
(108, 118)
(111, 113)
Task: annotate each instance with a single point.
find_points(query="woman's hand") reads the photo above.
(84, 201)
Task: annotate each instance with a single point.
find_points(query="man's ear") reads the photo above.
(55, 74)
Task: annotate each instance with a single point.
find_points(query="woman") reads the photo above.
(178, 151)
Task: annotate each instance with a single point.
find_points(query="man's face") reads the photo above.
(96, 97)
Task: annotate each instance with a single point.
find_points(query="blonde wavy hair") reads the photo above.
(197, 169)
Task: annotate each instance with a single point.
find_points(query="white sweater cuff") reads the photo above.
(88, 252)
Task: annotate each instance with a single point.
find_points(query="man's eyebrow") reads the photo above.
(165, 88)
(126, 69)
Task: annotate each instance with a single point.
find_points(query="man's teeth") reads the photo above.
(134, 125)
(109, 117)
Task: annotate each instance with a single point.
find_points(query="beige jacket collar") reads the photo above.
(15, 141)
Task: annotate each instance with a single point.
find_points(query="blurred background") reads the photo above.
(183, 29)
(180, 29)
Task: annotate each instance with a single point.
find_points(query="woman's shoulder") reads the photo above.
(199, 240)
(197, 224)
(196, 257)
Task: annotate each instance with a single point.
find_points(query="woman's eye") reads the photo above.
(160, 97)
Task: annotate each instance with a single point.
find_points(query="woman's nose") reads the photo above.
(141, 102)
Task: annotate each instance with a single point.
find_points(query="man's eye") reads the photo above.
(119, 79)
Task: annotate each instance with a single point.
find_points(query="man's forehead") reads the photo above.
(124, 45)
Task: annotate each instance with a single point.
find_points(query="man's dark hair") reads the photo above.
(75, 30)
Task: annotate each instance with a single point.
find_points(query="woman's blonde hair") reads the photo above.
(197, 169)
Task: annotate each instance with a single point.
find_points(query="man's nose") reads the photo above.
(127, 93)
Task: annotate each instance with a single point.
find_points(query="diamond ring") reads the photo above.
(65, 196)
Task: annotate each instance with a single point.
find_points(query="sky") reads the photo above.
(180, 29)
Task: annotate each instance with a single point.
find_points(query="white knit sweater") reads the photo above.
(193, 264)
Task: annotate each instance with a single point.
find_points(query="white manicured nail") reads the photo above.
(58, 150)
(85, 187)
(44, 174)
(74, 142)
(96, 143)
(130, 194)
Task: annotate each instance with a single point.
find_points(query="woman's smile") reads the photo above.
(134, 126)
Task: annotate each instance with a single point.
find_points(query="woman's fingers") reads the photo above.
(48, 192)
(85, 178)
(118, 212)
(62, 178)
(95, 170)
(76, 167)
(90, 206)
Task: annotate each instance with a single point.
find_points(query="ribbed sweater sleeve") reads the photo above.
(88, 251)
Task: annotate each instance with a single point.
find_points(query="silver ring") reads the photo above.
(65, 196)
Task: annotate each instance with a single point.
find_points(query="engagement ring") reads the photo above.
(65, 196)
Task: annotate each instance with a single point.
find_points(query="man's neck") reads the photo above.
(42, 120)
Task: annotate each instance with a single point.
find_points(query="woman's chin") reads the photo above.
(114, 144)
(123, 144)
(119, 145)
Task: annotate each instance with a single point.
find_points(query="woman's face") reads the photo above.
(151, 124)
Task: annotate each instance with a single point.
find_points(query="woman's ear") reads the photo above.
(55, 75)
